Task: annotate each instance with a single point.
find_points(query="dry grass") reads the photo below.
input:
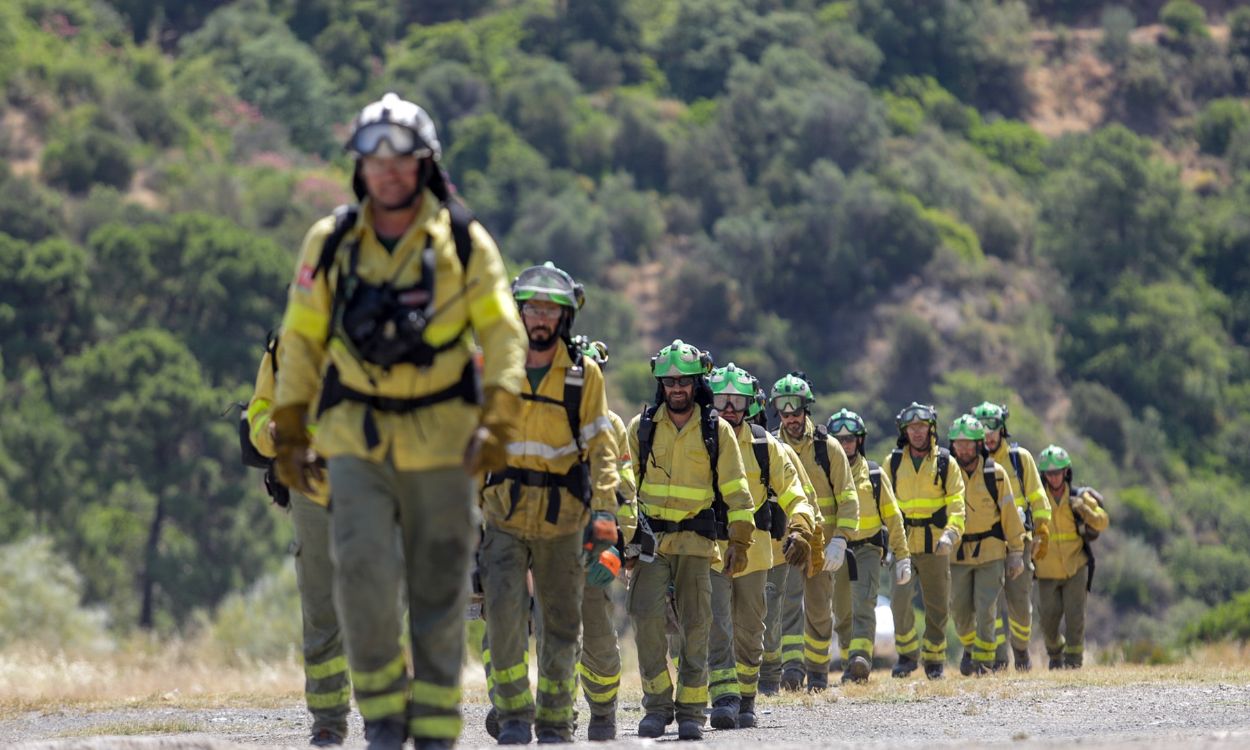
(132, 729)
(173, 675)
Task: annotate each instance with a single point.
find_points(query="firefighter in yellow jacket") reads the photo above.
(880, 531)
(736, 647)
(600, 664)
(1065, 575)
(931, 497)
(1015, 606)
(381, 319)
(551, 513)
(327, 687)
(992, 531)
(692, 488)
(830, 471)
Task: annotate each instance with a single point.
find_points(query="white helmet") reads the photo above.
(392, 127)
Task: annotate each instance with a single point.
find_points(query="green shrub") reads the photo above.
(1230, 620)
(259, 624)
(85, 158)
(1185, 22)
(1219, 122)
(40, 601)
(1013, 143)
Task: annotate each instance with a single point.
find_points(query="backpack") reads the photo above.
(1013, 453)
(1086, 533)
(943, 465)
(770, 517)
(711, 441)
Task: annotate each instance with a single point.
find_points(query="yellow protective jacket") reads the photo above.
(626, 489)
(835, 491)
(921, 494)
(677, 484)
(542, 442)
(818, 533)
(982, 513)
(1031, 494)
(870, 521)
(473, 302)
(258, 410)
(785, 484)
(1067, 550)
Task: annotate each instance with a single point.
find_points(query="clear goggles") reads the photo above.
(788, 404)
(844, 427)
(387, 139)
(723, 401)
(916, 414)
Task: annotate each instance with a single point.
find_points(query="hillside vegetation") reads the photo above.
(1039, 202)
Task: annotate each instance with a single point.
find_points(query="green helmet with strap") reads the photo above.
(548, 283)
(846, 423)
(792, 393)
(680, 358)
(1053, 458)
(967, 427)
(992, 415)
(733, 380)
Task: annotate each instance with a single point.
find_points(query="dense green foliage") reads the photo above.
(852, 188)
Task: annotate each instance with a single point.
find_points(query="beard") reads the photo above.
(541, 343)
(678, 403)
(794, 430)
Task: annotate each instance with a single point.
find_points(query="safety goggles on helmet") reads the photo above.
(724, 400)
(916, 413)
(845, 426)
(387, 139)
(789, 404)
(546, 282)
(677, 382)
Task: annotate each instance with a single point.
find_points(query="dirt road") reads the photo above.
(1099, 708)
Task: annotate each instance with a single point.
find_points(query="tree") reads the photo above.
(46, 312)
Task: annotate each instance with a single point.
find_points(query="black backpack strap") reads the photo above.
(820, 446)
(711, 441)
(896, 460)
(574, 382)
(991, 479)
(759, 445)
(271, 347)
(646, 434)
(874, 476)
(943, 465)
(461, 219)
(345, 217)
(1014, 454)
(1080, 531)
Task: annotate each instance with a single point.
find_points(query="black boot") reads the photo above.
(933, 670)
(652, 725)
(792, 679)
(1073, 661)
(1056, 661)
(552, 736)
(746, 713)
(689, 729)
(904, 666)
(386, 734)
(326, 737)
(725, 712)
(601, 728)
(859, 669)
(817, 682)
(1022, 659)
(965, 665)
(492, 723)
(769, 687)
(515, 732)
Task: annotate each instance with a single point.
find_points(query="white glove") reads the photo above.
(1015, 565)
(946, 543)
(902, 571)
(835, 554)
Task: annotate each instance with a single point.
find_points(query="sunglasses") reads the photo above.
(723, 401)
(545, 313)
(679, 382)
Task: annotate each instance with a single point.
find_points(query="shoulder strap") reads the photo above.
(896, 460)
(271, 347)
(820, 447)
(1014, 454)
(711, 440)
(574, 380)
(461, 219)
(759, 444)
(344, 219)
(646, 433)
(991, 478)
(943, 465)
(874, 476)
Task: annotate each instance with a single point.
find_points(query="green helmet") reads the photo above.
(916, 412)
(966, 427)
(1053, 458)
(846, 423)
(680, 358)
(733, 380)
(792, 393)
(546, 282)
(993, 416)
(596, 350)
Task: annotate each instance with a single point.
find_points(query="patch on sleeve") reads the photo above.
(305, 278)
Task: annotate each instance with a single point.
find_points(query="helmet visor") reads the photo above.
(840, 426)
(386, 139)
(738, 401)
(788, 404)
(916, 414)
(992, 424)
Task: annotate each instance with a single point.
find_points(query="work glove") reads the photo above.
(1015, 565)
(600, 534)
(1077, 502)
(902, 572)
(1041, 540)
(835, 553)
(605, 569)
(798, 548)
(739, 543)
(488, 447)
(294, 461)
(946, 543)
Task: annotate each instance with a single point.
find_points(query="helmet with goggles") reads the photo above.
(792, 393)
(678, 359)
(1053, 458)
(993, 416)
(846, 423)
(546, 283)
(393, 127)
(916, 412)
(967, 427)
(732, 386)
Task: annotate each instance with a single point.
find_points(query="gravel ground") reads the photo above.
(1020, 713)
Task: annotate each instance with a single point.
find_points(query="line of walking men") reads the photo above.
(419, 408)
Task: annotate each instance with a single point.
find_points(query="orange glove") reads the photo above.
(1041, 540)
(488, 447)
(294, 461)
